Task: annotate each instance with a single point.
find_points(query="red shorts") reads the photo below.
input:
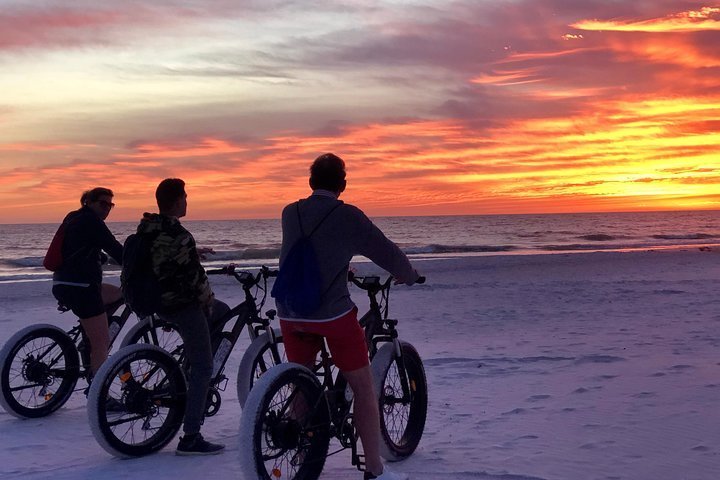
(345, 339)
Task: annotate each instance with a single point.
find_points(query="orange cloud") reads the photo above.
(32, 147)
(204, 148)
(695, 20)
(648, 154)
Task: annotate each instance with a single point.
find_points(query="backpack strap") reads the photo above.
(302, 230)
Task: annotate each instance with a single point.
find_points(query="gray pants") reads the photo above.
(193, 328)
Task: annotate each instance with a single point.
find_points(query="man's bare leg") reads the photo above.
(96, 329)
(367, 416)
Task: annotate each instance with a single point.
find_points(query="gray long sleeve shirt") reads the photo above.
(345, 233)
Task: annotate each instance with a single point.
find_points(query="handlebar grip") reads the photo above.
(420, 280)
(218, 271)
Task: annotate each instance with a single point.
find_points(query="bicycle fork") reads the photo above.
(407, 385)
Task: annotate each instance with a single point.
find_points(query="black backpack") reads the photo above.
(139, 284)
(298, 285)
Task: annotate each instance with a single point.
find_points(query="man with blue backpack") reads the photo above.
(321, 234)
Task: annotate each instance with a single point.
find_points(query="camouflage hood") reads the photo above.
(175, 262)
(154, 223)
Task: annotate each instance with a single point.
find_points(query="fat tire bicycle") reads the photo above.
(41, 364)
(149, 382)
(293, 412)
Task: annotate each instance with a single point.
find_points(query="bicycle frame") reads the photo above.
(77, 333)
(378, 329)
(151, 382)
(246, 314)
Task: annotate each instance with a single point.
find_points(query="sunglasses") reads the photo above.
(106, 204)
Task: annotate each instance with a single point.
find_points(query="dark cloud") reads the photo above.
(442, 50)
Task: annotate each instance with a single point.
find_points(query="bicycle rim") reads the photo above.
(260, 356)
(402, 396)
(40, 368)
(290, 436)
(150, 388)
(164, 335)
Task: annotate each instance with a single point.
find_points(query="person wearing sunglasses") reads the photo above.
(77, 283)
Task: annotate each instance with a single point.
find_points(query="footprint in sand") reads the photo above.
(680, 368)
(537, 398)
(585, 390)
(700, 448)
(644, 395)
(598, 359)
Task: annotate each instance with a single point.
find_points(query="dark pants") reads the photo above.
(192, 325)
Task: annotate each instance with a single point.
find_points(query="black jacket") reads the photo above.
(85, 236)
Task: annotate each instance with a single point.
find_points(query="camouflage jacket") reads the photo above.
(176, 263)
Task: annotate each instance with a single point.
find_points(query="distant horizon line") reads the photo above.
(421, 216)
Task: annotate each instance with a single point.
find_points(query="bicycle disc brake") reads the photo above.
(348, 433)
(212, 404)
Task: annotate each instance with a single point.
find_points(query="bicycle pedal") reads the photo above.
(358, 459)
(221, 383)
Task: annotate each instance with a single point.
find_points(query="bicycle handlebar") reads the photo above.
(373, 282)
(246, 278)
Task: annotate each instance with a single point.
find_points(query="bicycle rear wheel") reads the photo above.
(39, 367)
(147, 389)
(401, 387)
(284, 431)
(260, 356)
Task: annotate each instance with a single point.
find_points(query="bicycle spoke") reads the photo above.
(25, 387)
(143, 386)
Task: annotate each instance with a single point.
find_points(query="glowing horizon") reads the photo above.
(473, 108)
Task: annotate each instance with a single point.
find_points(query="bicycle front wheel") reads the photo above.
(401, 386)
(136, 402)
(153, 331)
(260, 356)
(285, 426)
(39, 369)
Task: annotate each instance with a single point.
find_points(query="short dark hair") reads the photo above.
(94, 195)
(168, 192)
(328, 173)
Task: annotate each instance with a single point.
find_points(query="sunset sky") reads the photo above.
(438, 107)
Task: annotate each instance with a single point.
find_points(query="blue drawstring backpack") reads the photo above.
(298, 285)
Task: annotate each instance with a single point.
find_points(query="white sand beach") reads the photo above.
(592, 366)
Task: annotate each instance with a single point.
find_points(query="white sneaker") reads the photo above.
(390, 475)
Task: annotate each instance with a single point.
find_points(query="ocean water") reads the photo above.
(255, 242)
